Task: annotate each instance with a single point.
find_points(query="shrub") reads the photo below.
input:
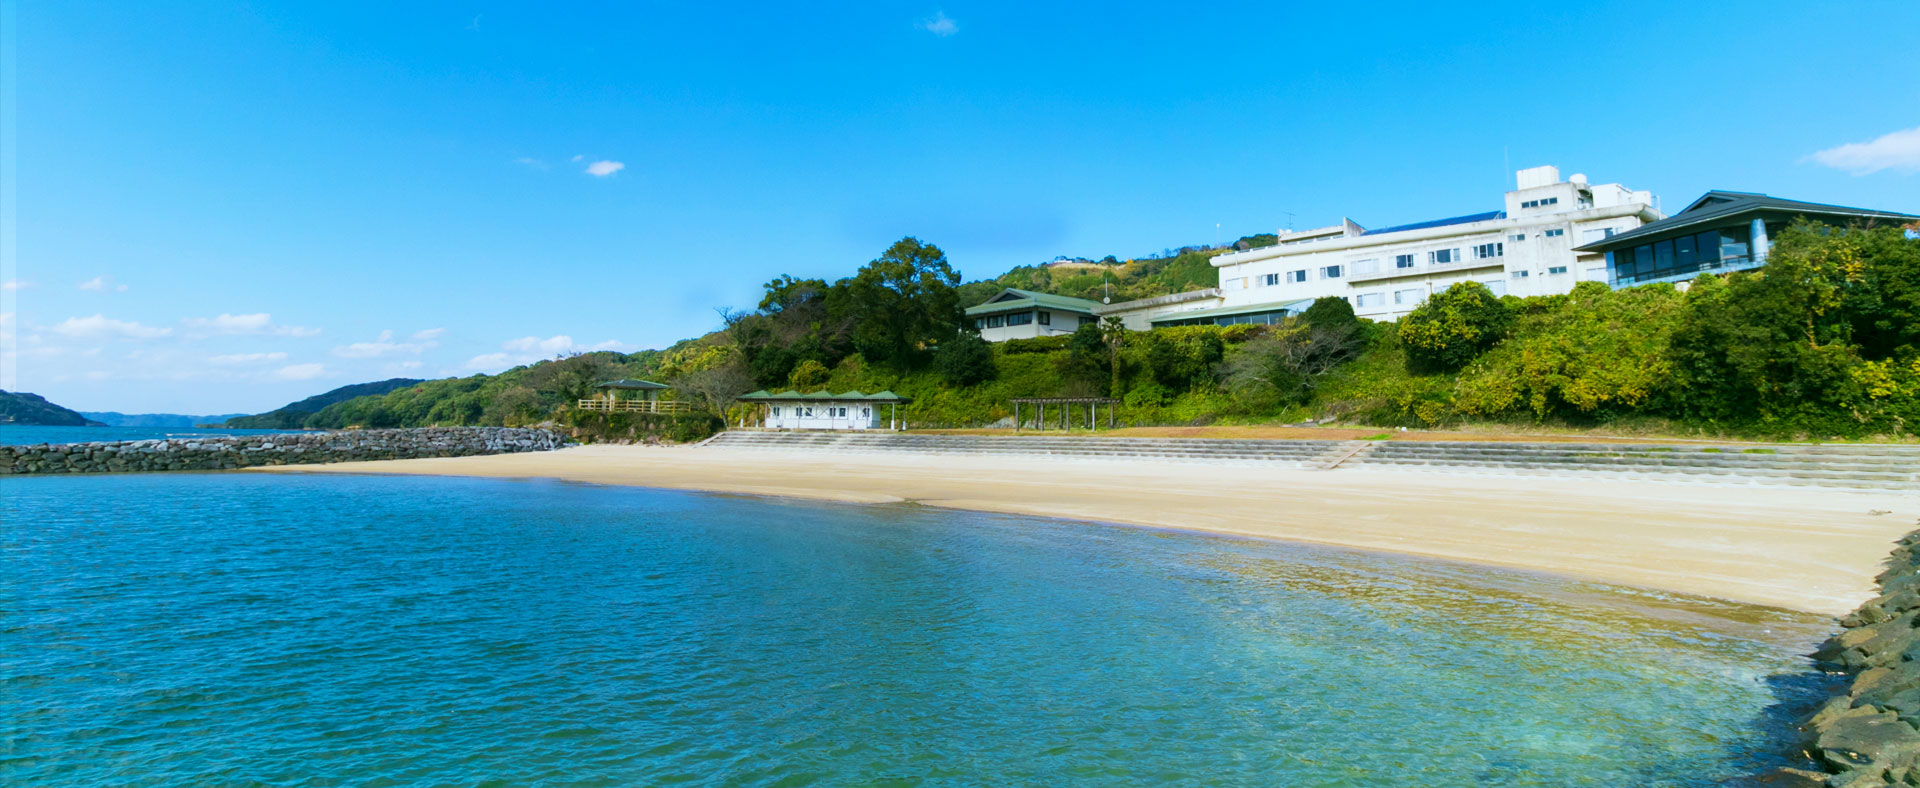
(964, 360)
(1034, 345)
(1453, 328)
(808, 375)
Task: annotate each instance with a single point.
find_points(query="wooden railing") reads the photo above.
(635, 406)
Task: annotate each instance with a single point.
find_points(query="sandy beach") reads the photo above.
(1811, 550)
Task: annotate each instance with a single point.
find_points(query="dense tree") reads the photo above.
(903, 301)
(964, 359)
(1453, 327)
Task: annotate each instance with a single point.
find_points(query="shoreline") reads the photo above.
(1798, 549)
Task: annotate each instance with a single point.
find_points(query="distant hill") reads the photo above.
(294, 415)
(117, 419)
(18, 407)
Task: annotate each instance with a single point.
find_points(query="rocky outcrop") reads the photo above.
(1870, 736)
(216, 453)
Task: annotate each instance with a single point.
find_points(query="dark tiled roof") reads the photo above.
(1717, 205)
(1468, 219)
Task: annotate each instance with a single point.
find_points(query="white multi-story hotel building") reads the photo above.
(1525, 250)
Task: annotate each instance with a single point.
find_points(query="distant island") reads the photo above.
(293, 415)
(163, 420)
(19, 407)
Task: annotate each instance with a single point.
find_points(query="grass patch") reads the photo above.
(1385, 436)
(1710, 451)
(1757, 451)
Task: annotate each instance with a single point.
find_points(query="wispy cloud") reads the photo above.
(1898, 151)
(940, 25)
(257, 323)
(14, 284)
(529, 161)
(604, 168)
(300, 372)
(242, 359)
(103, 327)
(578, 157)
(420, 342)
(102, 284)
(527, 350)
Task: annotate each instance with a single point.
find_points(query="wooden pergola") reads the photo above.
(648, 402)
(1092, 405)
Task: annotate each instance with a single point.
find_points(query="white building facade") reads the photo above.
(823, 410)
(1525, 250)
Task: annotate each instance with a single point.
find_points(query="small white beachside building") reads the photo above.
(821, 410)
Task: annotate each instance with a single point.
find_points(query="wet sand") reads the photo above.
(1803, 549)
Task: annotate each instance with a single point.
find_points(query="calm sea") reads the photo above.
(243, 629)
(19, 434)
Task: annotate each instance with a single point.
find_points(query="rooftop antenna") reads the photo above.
(1289, 220)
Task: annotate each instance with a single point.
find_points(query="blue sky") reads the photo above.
(225, 206)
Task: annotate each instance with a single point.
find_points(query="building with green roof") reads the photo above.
(825, 410)
(1024, 314)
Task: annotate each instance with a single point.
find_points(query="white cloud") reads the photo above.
(103, 327)
(603, 168)
(236, 359)
(939, 25)
(1898, 151)
(96, 283)
(421, 342)
(527, 350)
(529, 161)
(14, 284)
(300, 372)
(579, 156)
(257, 323)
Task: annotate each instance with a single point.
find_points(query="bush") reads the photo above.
(964, 360)
(808, 375)
(1453, 328)
(1034, 345)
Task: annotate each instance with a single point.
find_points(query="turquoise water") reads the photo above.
(21, 434)
(242, 629)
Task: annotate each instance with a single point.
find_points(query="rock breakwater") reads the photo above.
(1870, 735)
(215, 453)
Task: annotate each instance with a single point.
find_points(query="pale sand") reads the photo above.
(1812, 550)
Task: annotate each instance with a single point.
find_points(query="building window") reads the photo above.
(1554, 233)
(1497, 286)
(1269, 280)
(1596, 234)
(1413, 296)
(996, 321)
(1087, 321)
(1297, 276)
(1558, 269)
(776, 411)
(1485, 251)
(1020, 318)
(1330, 272)
(1518, 274)
(1366, 300)
(1517, 237)
(1366, 266)
(1046, 318)
(1443, 256)
(1403, 261)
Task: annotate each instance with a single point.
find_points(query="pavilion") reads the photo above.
(822, 410)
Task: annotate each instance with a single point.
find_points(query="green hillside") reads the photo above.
(1823, 343)
(19, 407)
(294, 415)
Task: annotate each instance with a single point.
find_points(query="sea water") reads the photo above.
(256, 629)
(27, 435)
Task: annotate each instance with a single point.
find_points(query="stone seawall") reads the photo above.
(223, 452)
(1867, 736)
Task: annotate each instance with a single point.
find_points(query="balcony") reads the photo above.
(1423, 270)
(1687, 273)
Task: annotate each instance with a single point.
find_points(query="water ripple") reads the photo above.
(284, 630)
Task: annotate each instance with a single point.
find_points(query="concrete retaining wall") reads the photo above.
(222, 452)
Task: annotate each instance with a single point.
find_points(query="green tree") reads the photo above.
(964, 359)
(808, 374)
(1453, 327)
(903, 301)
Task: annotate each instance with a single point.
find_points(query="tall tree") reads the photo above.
(904, 300)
